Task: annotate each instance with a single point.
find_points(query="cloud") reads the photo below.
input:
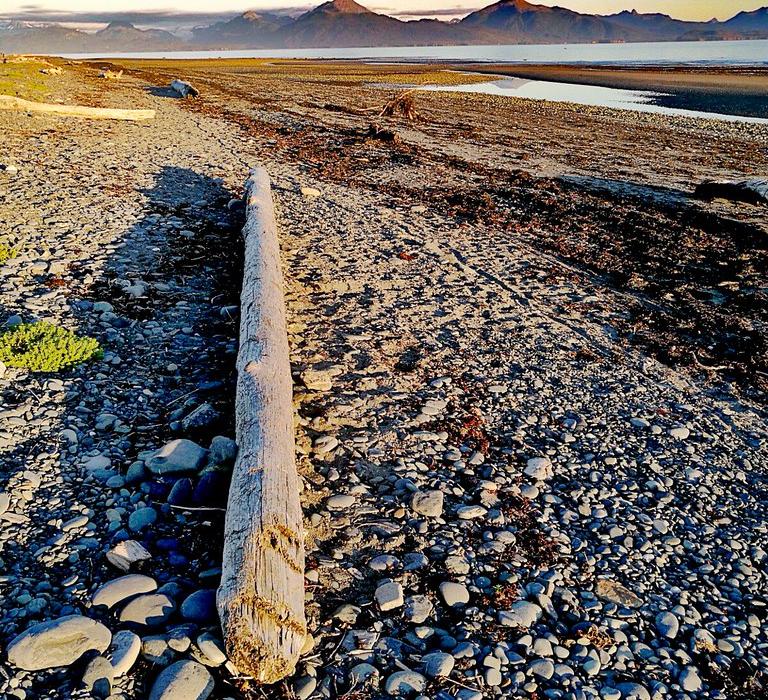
(440, 12)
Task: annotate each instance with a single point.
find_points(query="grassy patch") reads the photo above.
(44, 347)
(23, 79)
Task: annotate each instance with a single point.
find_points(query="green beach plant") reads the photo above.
(7, 253)
(45, 347)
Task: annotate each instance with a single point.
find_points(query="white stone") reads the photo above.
(58, 642)
(122, 588)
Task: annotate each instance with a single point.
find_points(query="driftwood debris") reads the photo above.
(261, 595)
(108, 74)
(753, 190)
(184, 88)
(16, 104)
(53, 70)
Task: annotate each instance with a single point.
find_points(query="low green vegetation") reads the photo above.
(7, 253)
(45, 347)
(23, 79)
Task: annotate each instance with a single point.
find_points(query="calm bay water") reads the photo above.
(725, 53)
(635, 100)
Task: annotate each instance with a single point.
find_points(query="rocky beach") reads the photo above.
(530, 375)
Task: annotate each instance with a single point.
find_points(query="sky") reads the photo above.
(683, 9)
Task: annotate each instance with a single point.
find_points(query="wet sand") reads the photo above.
(740, 91)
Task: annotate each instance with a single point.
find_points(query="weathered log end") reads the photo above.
(263, 642)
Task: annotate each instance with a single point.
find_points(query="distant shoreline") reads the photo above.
(745, 53)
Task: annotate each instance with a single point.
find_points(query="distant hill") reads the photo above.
(346, 23)
(654, 26)
(244, 31)
(23, 37)
(750, 24)
(525, 23)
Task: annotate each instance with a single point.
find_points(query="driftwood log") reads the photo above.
(184, 88)
(261, 595)
(753, 190)
(16, 104)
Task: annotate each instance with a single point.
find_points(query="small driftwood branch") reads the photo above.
(753, 190)
(16, 104)
(184, 88)
(261, 595)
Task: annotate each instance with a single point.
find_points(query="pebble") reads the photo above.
(521, 614)
(98, 677)
(183, 680)
(151, 609)
(405, 683)
(428, 503)
(179, 456)
(539, 468)
(438, 664)
(120, 589)
(389, 596)
(454, 594)
(58, 642)
(124, 651)
(667, 624)
(199, 606)
(142, 518)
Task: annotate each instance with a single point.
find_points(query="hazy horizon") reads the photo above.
(99, 10)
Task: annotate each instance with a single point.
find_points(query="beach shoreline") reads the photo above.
(529, 371)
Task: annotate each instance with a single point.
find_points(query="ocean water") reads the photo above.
(716, 53)
(552, 91)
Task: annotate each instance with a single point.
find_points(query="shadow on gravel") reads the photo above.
(164, 308)
(163, 91)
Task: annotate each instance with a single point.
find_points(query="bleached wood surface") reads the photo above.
(261, 596)
(8, 102)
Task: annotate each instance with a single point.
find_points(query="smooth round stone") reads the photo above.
(184, 680)
(58, 642)
(360, 674)
(181, 493)
(633, 691)
(389, 596)
(212, 648)
(454, 594)
(141, 519)
(340, 501)
(120, 589)
(177, 457)
(680, 433)
(124, 651)
(98, 677)
(470, 512)
(325, 444)
(543, 668)
(200, 606)
(405, 683)
(493, 677)
(428, 503)
(304, 686)
(151, 609)
(667, 624)
(689, 679)
(438, 664)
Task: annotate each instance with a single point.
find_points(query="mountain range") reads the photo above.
(345, 23)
